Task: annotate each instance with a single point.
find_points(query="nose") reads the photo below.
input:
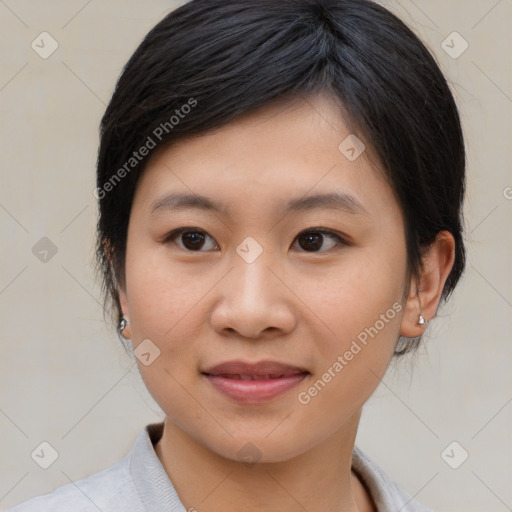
(254, 301)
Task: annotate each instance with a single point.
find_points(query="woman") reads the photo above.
(280, 187)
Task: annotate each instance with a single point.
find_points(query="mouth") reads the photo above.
(254, 382)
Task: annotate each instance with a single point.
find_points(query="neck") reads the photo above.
(318, 480)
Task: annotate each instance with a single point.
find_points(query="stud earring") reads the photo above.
(121, 327)
(422, 320)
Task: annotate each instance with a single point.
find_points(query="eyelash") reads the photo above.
(340, 241)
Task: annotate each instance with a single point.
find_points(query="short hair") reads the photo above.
(210, 61)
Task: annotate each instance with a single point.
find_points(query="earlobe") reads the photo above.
(425, 293)
(124, 328)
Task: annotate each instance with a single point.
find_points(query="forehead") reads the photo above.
(283, 156)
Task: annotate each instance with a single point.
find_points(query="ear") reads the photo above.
(425, 293)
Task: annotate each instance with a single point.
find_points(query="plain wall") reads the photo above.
(64, 375)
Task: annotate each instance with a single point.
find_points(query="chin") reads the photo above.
(259, 447)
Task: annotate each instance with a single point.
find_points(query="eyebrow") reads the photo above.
(333, 200)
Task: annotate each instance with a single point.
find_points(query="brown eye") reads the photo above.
(191, 239)
(313, 240)
(196, 240)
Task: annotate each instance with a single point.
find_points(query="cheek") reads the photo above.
(167, 306)
(164, 308)
(361, 306)
(162, 292)
(362, 310)
(360, 295)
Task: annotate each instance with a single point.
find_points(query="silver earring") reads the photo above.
(421, 320)
(121, 327)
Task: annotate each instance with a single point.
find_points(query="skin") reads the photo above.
(296, 303)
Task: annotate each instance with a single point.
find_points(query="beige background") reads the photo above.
(64, 376)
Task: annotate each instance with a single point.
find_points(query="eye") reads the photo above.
(193, 239)
(313, 239)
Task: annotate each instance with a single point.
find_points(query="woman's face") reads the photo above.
(256, 280)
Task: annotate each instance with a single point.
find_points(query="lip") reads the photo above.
(254, 382)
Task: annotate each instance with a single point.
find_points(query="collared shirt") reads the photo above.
(139, 483)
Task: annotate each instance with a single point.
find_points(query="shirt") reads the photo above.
(139, 483)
